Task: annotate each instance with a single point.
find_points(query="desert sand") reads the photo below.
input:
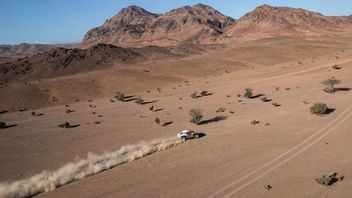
(287, 150)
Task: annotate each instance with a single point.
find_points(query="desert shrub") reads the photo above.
(151, 108)
(268, 187)
(69, 111)
(275, 104)
(329, 90)
(194, 95)
(254, 122)
(120, 96)
(220, 110)
(248, 93)
(64, 125)
(336, 67)
(3, 125)
(331, 82)
(157, 120)
(204, 93)
(264, 99)
(319, 109)
(139, 100)
(196, 116)
(328, 180)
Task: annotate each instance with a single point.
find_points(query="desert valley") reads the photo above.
(269, 93)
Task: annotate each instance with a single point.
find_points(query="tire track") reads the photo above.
(285, 157)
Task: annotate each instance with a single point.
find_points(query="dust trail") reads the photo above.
(93, 164)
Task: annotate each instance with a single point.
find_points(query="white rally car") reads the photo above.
(187, 134)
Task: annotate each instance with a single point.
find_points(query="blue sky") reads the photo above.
(65, 21)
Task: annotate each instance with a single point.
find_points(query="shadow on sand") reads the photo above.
(216, 119)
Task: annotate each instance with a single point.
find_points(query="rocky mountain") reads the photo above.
(134, 26)
(268, 20)
(24, 49)
(68, 61)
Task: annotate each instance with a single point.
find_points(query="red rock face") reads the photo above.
(134, 26)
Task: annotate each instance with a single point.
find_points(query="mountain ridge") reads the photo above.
(189, 23)
(203, 24)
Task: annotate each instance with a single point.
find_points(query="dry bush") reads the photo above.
(248, 93)
(319, 109)
(120, 96)
(196, 116)
(139, 100)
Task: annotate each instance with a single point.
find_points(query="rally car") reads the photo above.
(187, 134)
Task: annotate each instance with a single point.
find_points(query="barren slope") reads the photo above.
(272, 21)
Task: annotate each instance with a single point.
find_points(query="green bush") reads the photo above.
(319, 108)
(196, 116)
(331, 82)
(329, 90)
(248, 93)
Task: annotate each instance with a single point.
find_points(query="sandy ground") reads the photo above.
(235, 158)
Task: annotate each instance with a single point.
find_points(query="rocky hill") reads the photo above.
(134, 26)
(268, 20)
(24, 49)
(63, 61)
